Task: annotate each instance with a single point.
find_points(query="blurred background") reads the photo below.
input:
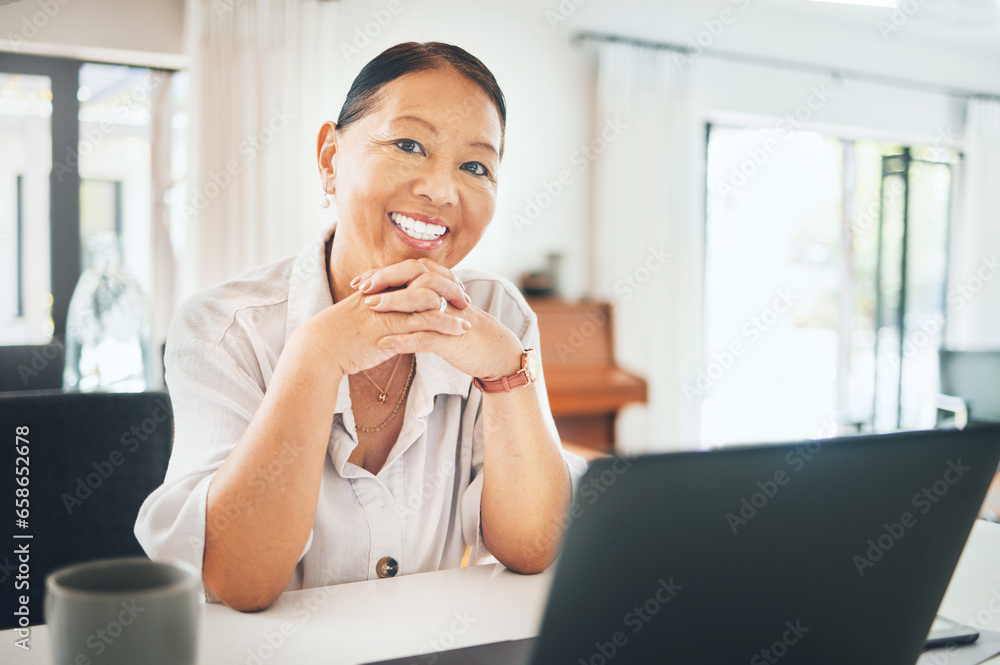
(738, 220)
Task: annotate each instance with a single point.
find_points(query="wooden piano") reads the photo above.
(585, 386)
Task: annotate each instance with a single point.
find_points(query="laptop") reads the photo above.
(831, 551)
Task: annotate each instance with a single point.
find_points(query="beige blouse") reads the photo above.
(421, 509)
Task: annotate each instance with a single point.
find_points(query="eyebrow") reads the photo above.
(423, 122)
(433, 130)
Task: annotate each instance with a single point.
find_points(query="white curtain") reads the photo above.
(647, 238)
(260, 88)
(974, 282)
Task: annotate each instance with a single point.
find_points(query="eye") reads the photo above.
(410, 146)
(475, 168)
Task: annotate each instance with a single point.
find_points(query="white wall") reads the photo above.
(548, 79)
(548, 82)
(146, 32)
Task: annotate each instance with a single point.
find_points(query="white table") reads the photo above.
(413, 614)
(359, 622)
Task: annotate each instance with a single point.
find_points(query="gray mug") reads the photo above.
(129, 610)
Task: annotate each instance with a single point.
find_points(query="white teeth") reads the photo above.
(418, 230)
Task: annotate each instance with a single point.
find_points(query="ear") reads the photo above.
(326, 157)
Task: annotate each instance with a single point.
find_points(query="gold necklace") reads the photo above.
(406, 386)
(382, 394)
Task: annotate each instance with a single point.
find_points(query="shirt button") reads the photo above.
(386, 567)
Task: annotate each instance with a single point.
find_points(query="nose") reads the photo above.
(436, 183)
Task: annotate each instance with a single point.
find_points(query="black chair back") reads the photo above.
(91, 460)
(32, 367)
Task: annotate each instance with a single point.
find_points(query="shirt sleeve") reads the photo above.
(472, 526)
(214, 397)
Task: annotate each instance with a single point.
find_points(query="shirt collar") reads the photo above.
(308, 285)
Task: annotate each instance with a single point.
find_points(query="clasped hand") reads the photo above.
(397, 309)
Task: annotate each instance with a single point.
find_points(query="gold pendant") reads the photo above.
(381, 397)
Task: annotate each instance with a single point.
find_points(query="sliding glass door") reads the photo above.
(825, 275)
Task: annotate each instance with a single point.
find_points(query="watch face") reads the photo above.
(533, 365)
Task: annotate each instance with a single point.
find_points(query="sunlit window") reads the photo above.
(824, 292)
(26, 146)
(73, 129)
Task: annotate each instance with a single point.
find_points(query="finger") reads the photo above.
(450, 289)
(443, 285)
(425, 292)
(426, 321)
(402, 273)
(357, 281)
(413, 299)
(418, 342)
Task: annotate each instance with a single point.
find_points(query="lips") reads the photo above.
(417, 229)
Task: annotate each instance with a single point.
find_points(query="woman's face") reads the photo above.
(416, 178)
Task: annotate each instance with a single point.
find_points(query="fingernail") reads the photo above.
(373, 301)
(466, 324)
(467, 298)
(365, 285)
(355, 282)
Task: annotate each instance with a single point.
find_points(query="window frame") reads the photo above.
(64, 192)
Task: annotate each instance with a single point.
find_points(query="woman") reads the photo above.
(326, 425)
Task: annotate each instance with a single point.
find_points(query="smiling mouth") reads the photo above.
(417, 230)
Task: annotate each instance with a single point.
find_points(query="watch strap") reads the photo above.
(504, 384)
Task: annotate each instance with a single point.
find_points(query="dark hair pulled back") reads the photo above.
(411, 57)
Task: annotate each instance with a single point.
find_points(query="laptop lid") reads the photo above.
(830, 551)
